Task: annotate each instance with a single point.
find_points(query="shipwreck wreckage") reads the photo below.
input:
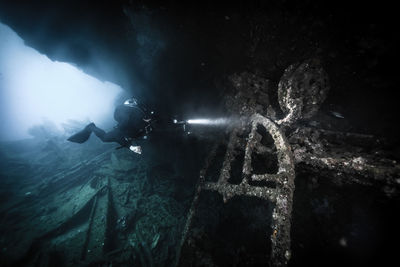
(250, 172)
(262, 136)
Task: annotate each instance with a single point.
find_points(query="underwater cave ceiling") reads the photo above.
(75, 32)
(153, 51)
(134, 45)
(173, 53)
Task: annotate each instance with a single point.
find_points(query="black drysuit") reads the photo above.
(131, 125)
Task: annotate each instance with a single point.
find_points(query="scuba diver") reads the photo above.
(133, 122)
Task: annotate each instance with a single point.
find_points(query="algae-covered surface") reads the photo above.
(69, 204)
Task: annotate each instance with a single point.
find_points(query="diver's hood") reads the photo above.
(131, 102)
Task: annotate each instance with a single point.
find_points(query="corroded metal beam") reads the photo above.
(281, 194)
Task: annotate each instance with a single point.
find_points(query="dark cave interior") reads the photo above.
(203, 41)
(176, 57)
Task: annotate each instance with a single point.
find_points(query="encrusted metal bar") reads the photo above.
(192, 210)
(230, 154)
(281, 193)
(283, 197)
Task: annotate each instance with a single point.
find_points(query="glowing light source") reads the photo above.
(34, 88)
(218, 121)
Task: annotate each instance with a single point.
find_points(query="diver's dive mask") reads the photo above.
(131, 102)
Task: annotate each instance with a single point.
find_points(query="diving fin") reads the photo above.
(81, 136)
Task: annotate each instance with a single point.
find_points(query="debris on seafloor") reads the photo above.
(337, 114)
(344, 156)
(94, 212)
(111, 208)
(255, 136)
(122, 165)
(154, 243)
(247, 93)
(280, 193)
(301, 90)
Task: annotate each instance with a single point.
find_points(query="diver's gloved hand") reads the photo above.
(136, 149)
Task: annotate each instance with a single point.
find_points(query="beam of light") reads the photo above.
(33, 89)
(219, 121)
